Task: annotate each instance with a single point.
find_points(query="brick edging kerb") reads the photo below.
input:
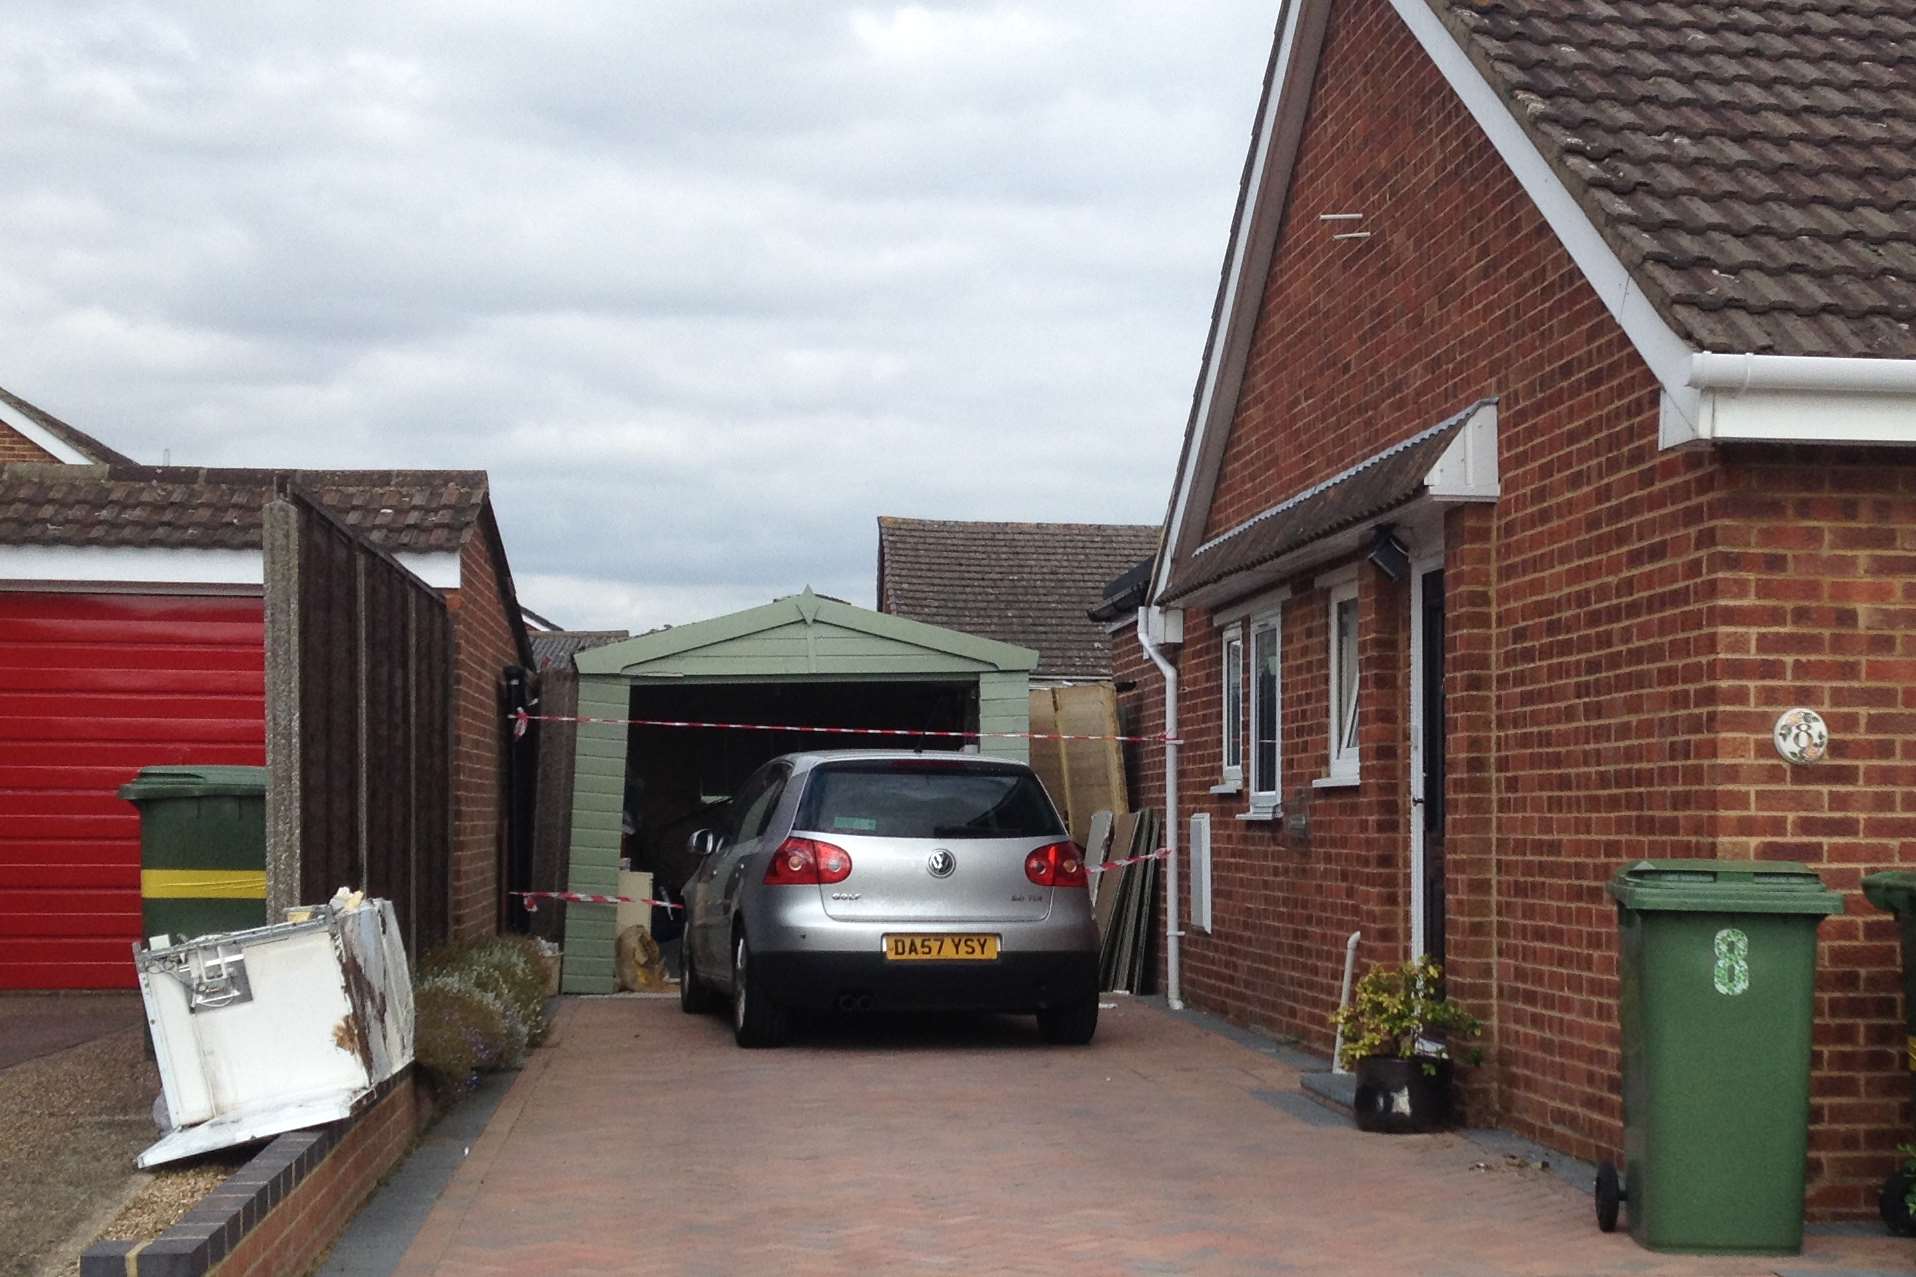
(214, 1228)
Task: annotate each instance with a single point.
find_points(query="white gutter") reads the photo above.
(1171, 930)
(1802, 372)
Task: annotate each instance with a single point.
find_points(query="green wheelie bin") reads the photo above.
(1895, 890)
(202, 848)
(1717, 968)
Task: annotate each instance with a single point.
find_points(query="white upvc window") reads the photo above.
(1344, 681)
(1266, 707)
(1232, 716)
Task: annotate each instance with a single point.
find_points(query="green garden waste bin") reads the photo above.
(202, 848)
(1717, 973)
(1895, 890)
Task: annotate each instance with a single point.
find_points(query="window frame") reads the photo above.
(1266, 800)
(1231, 699)
(1345, 760)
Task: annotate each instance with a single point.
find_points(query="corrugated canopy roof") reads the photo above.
(1373, 487)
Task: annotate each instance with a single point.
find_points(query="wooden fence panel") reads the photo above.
(359, 731)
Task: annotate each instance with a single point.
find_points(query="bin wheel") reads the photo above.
(1894, 1205)
(1609, 1196)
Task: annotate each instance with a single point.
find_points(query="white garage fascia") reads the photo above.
(137, 565)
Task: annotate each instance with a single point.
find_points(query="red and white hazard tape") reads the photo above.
(585, 898)
(521, 719)
(1159, 854)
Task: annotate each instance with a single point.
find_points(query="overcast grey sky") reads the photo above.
(707, 287)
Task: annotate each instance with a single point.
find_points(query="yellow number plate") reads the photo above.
(941, 948)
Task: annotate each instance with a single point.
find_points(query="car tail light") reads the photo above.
(807, 862)
(1059, 865)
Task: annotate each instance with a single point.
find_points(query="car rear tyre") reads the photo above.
(1070, 1025)
(756, 1019)
(694, 997)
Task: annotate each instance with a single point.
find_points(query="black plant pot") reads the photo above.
(1396, 1097)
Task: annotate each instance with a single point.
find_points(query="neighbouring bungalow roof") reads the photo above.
(1029, 584)
(79, 440)
(1753, 164)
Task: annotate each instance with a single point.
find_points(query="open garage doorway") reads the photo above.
(802, 661)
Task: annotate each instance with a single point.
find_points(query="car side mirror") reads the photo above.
(703, 842)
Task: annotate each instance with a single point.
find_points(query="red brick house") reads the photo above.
(132, 633)
(1556, 432)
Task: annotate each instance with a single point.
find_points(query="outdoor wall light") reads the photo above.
(1388, 553)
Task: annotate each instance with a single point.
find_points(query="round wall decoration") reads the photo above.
(1802, 736)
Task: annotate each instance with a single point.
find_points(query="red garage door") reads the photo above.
(94, 687)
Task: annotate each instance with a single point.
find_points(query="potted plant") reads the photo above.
(1397, 1036)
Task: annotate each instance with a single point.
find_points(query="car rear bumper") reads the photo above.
(1027, 981)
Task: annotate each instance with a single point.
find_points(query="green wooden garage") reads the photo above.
(801, 661)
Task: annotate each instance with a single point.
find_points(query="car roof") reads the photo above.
(813, 757)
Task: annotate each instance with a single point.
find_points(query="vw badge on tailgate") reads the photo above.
(941, 863)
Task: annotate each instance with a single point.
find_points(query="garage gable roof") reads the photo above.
(793, 636)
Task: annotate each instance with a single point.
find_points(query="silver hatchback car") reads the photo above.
(891, 880)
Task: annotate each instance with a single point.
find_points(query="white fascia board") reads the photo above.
(131, 564)
(1667, 354)
(136, 565)
(1468, 469)
(1805, 399)
(1807, 416)
(439, 570)
(57, 447)
(1254, 240)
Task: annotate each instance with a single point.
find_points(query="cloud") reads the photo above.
(706, 287)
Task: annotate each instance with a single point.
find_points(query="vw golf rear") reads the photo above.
(898, 881)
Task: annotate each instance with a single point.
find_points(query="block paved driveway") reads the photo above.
(642, 1140)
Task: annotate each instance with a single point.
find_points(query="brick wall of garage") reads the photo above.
(483, 645)
(1624, 626)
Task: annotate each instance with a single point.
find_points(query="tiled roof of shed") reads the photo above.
(1025, 583)
(186, 507)
(1753, 164)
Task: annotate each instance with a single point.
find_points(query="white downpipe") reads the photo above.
(1344, 1000)
(1171, 929)
(1712, 371)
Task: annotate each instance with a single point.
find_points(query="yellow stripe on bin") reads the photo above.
(203, 884)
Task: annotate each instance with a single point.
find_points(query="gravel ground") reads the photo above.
(74, 1122)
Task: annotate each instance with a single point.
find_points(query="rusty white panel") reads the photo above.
(277, 1028)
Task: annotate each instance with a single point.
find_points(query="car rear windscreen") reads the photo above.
(909, 799)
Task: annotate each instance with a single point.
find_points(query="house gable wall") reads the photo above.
(15, 446)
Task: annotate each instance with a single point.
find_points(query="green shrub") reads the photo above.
(478, 1006)
(458, 1033)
